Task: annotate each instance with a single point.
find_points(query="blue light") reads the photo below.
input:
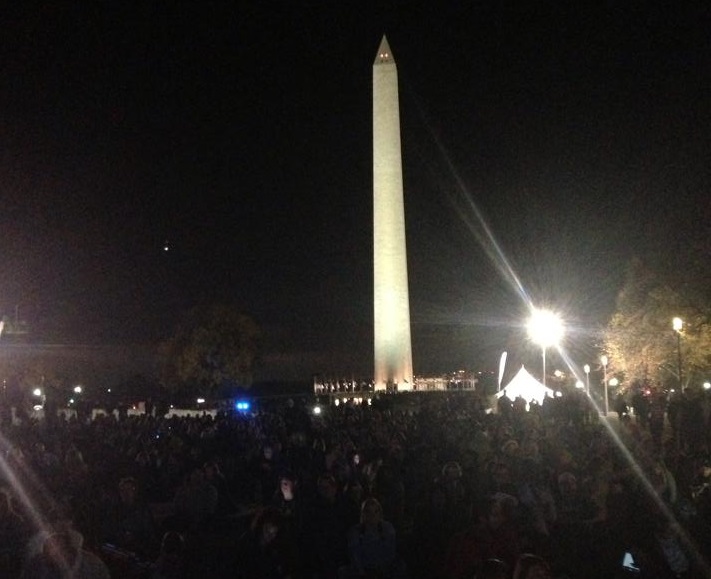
(242, 406)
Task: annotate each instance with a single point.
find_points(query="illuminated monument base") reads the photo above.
(391, 304)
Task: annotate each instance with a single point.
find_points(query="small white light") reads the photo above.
(37, 392)
(579, 384)
(200, 400)
(707, 385)
(77, 389)
(317, 410)
(71, 401)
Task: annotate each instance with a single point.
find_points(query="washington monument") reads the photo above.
(391, 302)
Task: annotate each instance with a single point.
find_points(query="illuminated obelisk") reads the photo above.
(393, 347)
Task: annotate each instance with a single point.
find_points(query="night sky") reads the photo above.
(239, 134)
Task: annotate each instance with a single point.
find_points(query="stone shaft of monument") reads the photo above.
(391, 302)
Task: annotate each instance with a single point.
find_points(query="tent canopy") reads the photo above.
(525, 386)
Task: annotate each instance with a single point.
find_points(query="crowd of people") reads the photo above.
(431, 486)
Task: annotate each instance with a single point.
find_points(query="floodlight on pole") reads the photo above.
(678, 325)
(545, 329)
(604, 361)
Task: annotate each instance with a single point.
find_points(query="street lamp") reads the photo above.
(586, 369)
(604, 361)
(677, 325)
(545, 329)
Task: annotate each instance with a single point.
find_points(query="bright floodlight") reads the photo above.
(545, 328)
(707, 385)
(677, 324)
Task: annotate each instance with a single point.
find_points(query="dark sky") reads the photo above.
(240, 133)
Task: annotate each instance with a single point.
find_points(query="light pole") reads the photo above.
(677, 325)
(604, 361)
(586, 369)
(545, 329)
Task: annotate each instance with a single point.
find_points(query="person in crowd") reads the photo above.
(128, 521)
(14, 533)
(62, 556)
(195, 501)
(457, 499)
(493, 534)
(430, 537)
(620, 405)
(657, 412)
(213, 475)
(372, 546)
(530, 566)
(266, 471)
(326, 527)
(288, 502)
(76, 475)
(265, 551)
(492, 569)
(171, 561)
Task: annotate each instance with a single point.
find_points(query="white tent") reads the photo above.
(525, 386)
